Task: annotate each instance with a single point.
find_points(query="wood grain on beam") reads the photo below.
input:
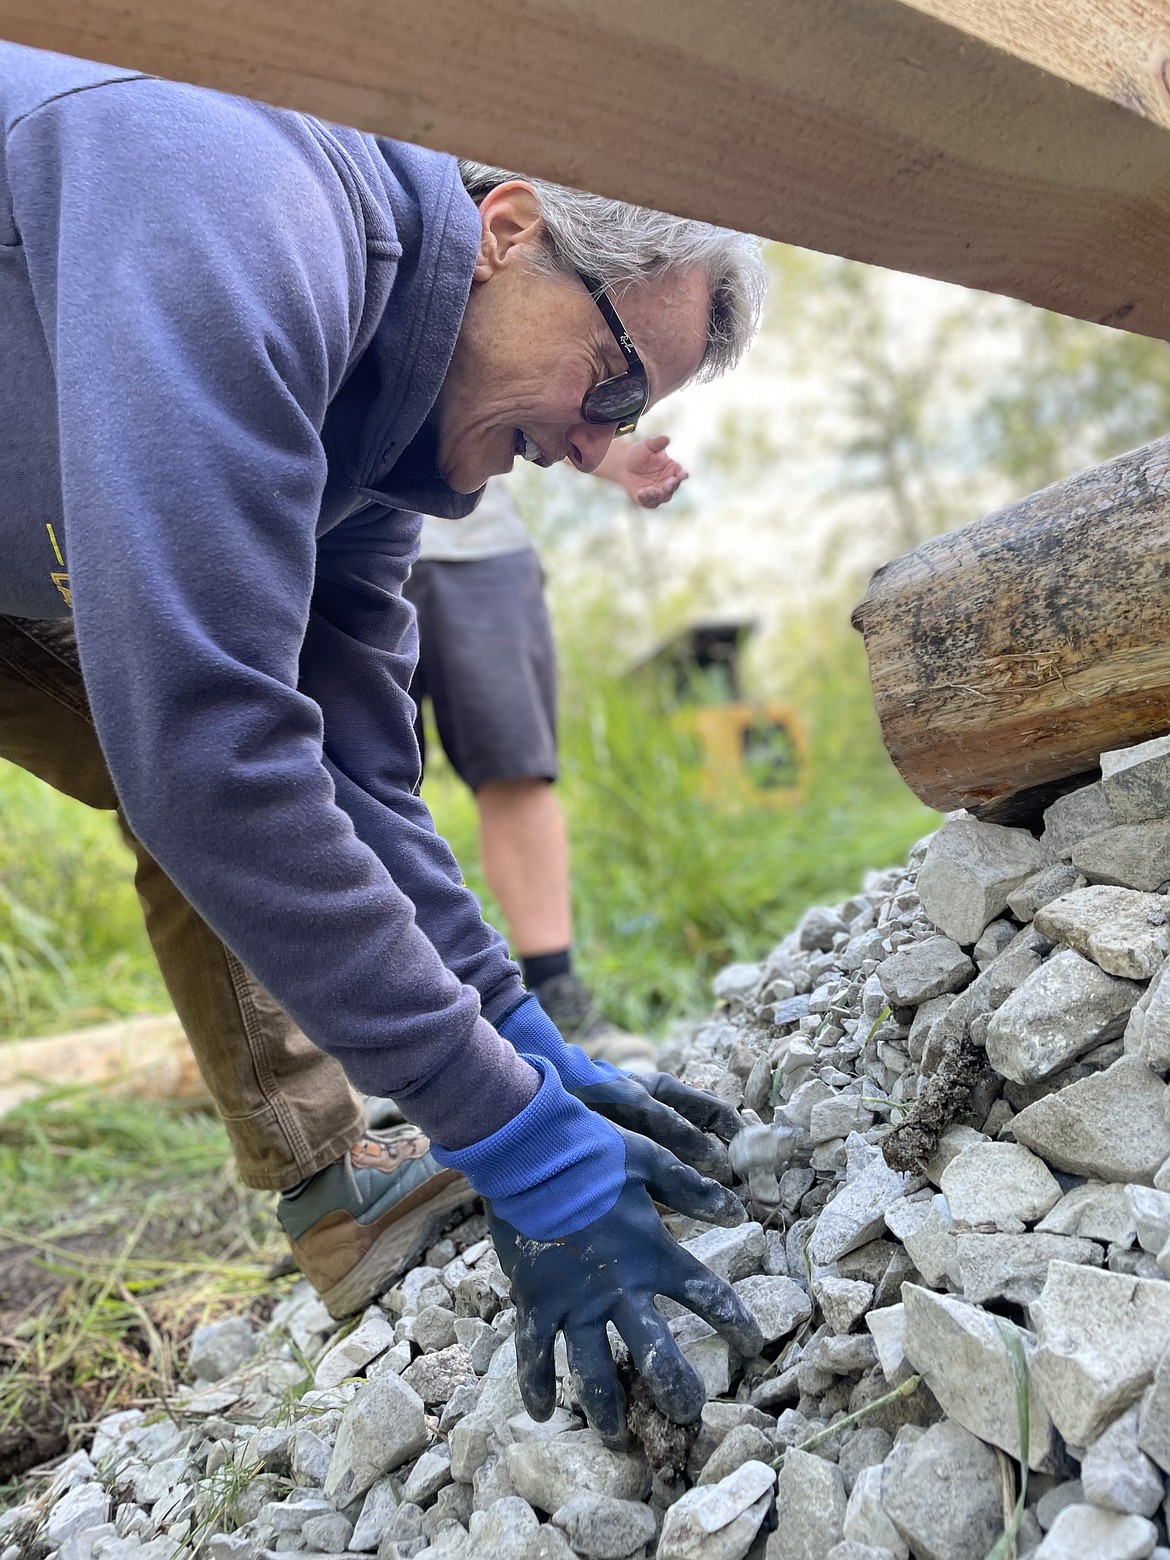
(1016, 148)
(1008, 655)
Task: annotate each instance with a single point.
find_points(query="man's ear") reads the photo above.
(511, 221)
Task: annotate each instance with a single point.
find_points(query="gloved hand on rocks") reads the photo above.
(653, 1104)
(576, 1231)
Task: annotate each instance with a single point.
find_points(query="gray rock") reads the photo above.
(946, 1498)
(999, 1184)
(309, 1457)
(866, 1447)
(837, 1117)
(602, 1528)
(847, 1549)
(735, 982)
(1097, 1210)
(931, 1246)
(436, 1376)
(378, 1510)
(960, 1352)
(384, 1427)
(328, 1533)
(729, 1253)
(1111, 1126)
(866, 1521)
(503, 1530)
(1154, 1419)
(434, 1329)
(1132, 855)
(1070, 1493)
(429, 1475)
(1136, 781)
(718, 1521)
(887, 1327)
(1016, 964)
(371, 1337)
(857, 1213)
(1065, 1008)
(969, 871)
(1148, 1032)
(1015, 1267)
(843, 1301)
(549, 1473)
(810, 1508)
(548, 1543)
(994, 940)
(84, 1506)
(1151, 1213)
(919, 971)
(1117, 1475)
(218, 1348)
(702, 1346)
(1100, 1336)
(1123, 931)
(1086, 1533)
(1075, 817)
(779, 1305)
(1042, 889)
(746, 1443)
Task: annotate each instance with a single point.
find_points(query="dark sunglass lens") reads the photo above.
(615, 401)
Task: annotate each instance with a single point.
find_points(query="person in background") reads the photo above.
(487, 664)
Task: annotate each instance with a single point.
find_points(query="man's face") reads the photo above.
(531, 345)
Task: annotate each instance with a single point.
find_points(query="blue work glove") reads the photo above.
(653, 1104)
(569, 1198)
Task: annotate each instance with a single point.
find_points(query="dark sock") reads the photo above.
(545, 966)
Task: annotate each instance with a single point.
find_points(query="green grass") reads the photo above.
(73, 949)
(668, 886)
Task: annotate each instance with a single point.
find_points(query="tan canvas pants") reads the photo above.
(288, 1107)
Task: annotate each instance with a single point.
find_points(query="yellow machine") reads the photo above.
(754, 751)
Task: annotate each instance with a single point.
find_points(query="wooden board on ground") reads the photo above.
(147, 1058)
(1022, 148)
(1005, 657)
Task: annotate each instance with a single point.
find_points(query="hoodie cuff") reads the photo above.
(551, 1170)
(533, 1033)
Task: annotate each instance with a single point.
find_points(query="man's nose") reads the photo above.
(588, 443)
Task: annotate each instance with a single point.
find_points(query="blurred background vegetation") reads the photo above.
(876, 410)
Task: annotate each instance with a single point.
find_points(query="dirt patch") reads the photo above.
(913, 1142)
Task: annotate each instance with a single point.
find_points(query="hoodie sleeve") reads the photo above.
(359, 653)
(199, 272)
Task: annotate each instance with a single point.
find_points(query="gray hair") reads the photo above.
(617, 245)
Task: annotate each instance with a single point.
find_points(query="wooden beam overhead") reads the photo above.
(1020, 146)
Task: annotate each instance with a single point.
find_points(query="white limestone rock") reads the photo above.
(1100, 1336)
(810, 1508)
(1076, 817)
(1087, 1533)
(1117, 1475)
(549, 1473)
(1121, 930)
(1132, 855)
(946, 1498)
(1111, 1126)
(384, 1427)
(998, 1184)
(1096, 1210)
(1136, 780)
(969, 871)
(1066, 1007)
(919, 971)
(960, 1353)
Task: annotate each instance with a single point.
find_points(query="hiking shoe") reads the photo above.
(359, 1224)
(568, 1003)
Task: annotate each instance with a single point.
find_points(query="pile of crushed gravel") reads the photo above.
(956, 1167)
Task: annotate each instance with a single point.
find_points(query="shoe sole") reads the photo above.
(396, 1250)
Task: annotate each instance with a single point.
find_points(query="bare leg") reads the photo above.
(525, 850)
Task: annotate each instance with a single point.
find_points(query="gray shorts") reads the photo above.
(487, 664)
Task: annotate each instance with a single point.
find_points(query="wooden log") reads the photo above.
(1005, 657)
(146, 1058)
(1018, 147)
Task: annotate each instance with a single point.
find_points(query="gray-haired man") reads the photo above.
(244, 349)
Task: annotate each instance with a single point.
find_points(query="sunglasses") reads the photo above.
(622, 399)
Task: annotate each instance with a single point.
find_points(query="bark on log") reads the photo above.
(1005, 657)
(145, 1058)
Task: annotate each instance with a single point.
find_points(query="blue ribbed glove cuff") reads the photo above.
(533, 1033)
(552, 1169)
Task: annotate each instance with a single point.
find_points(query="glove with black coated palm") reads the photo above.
(655, 1105)
(569, 1199)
